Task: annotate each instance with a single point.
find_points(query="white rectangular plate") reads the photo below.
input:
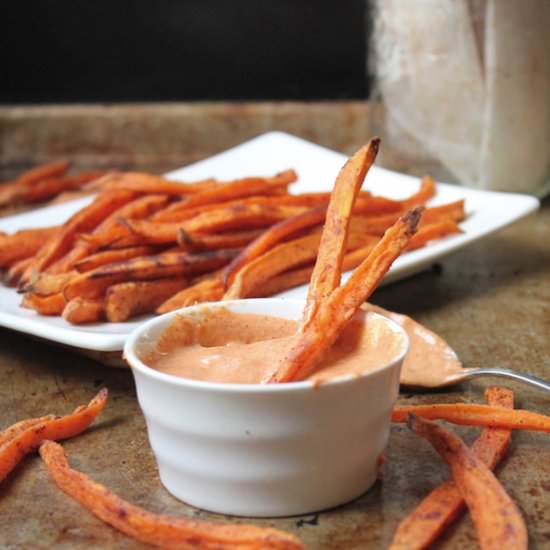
(266, 155)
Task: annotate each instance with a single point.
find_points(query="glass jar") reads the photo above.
(463, 90)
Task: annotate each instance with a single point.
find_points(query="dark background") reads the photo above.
(54, 51)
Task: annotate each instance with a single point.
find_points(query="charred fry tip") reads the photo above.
(183, 237)
(412, 218)
(375, 144)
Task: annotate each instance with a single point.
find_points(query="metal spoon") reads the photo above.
(503, 373)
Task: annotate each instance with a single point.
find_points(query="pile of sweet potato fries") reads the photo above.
(146, 244)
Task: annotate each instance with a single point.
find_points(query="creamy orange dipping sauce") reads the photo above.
(430, 361)
(222, 346)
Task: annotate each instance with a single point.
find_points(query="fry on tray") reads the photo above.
(51, 187)
(23, 244)
(328, 268)
(243, 188)
(49, 283)
(84, 220)
(52, 304)
(93, 284)
(321, 330)
(443, 505)
(80, 310)
(43, 183)
(423, 195)
(27, 437)
(178, 211)
(16, 270)
(111, 256)
(43, 171)
(138, 208)
(241, 216)
(271, 237)
(230, 239)
(158, 530)
(226, 218)
(475, 414)
(207, 290)
(9, 191)
(301, 275)
(126, 300)
(281, 258)
(497, 520)
(377, 225)
(433, 231)
(140, 182)
(375, 205)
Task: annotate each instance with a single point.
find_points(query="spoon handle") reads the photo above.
(508, 373)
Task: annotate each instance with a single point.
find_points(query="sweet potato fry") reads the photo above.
(23, 244)
(9, 191)
(31, 177)
(158, 530)
(497, 520)
(443, 505)
(302, 275)
(79, 311)
(111, 256)
(84, 220)
(133, 232)
(43, 171)
(47, 283)
(52, 304)
(453, 211)
(240, 216)
(27, 440)
(423, 195)
(230, 239)
(377, 225)
(328, 268)
(142, 207)
(271, 237)
(53, 186)
(284, 281)
(126, 300)
(376, 205)
(207, 290)
(431, 232)
(282, 257)
(320, 331)
(15, 272)
(180, 212)
(244, 187)
(140, 182)
(474, 414)
(93, 284)
(19, 427)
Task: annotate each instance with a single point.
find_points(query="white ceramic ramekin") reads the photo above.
(264, 450)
